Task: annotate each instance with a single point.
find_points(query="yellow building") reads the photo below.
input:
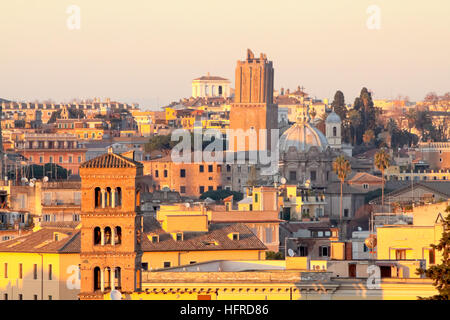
(43, 265)
(290, 279)
(404, 242)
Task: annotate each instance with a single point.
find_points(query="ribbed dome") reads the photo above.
(303, 136)
(333, 117)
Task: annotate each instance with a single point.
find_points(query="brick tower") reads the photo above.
(111, 225)
(253, 106)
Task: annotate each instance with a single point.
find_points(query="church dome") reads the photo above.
(333, 117)
(303, 135)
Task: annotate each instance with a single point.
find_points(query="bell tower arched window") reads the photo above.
(108, 235)
(97, 235)
(97, 278)
(118, 235)
(98, 197)
(334, 131)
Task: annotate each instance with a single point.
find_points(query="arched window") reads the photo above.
(97, 236)
(107, 278)
(138, 198)
(220, 90)
(108, 199)
(118, 197)
(334, 131)
(97, 279)
(117, 278)
(206, 90)
(118, 235)
(98, 197)
(108, 237)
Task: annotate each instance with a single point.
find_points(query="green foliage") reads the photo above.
(159, 143)
(271, 255)
(74, 113)
(222, 194)
(440, 273)
(338, 105)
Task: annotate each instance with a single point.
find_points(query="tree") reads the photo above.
(440, 273)
(355, 121)
(313, 113)
(342, 168)
(271, 255)
(338, 105)
(368, 136)
(159, 143)
(382, 161)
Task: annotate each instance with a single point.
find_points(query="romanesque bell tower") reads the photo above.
(253, 107)
(111, 225)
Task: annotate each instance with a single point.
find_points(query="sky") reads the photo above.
(149, 51)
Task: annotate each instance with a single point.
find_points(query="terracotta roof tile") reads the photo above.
(111, 160)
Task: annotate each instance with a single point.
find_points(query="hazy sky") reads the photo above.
(149, 51)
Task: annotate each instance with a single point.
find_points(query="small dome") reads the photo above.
(303, 136)
(333, 117)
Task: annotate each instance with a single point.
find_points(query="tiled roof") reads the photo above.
(210, 78)
(217, 233)
(364, 177)
(111, 160)
(441, 187)
(42, 241)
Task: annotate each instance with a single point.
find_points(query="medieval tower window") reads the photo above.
(97, 236)
(118, 235)
(108, 235)
(98, 197)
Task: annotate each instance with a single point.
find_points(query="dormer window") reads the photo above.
(233, 236)
(179, 236)
(155, 239)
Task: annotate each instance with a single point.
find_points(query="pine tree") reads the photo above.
(440, 273)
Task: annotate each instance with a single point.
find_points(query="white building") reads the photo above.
(211, 86)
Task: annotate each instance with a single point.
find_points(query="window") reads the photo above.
(320, 233)
(46, 217)
(79, 159)
(228, 168)
(60, 159)
(20, 296)
(166, 264)
(256, 197)
(292, 175)
(35, 297)
(365, 186)
(20, 271)
(210, 168)
(219, 168)
(334, 131)
(50, 160)
(202, 189)
(345, 212)
(192, 262)
(313, 175)
(400, 254)
(156, 174)
(210, 188)
(35, 272)
(182, 173)
(327, 233)
(201, 168)
(154, 239)
(41, 159)
(6, 270)
(5, 296)
(431, 256)
(165, 173)
(144, 266)
(70, 159)
(179, 236)
(303, 251)
(50, 298)
(365, 248)
(182, 189)
(324, 251)
(235, 236)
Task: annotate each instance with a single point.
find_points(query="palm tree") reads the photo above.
(368, 136)
(342, 168)
(382, 161)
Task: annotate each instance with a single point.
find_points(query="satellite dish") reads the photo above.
(45, 179)
(283, 180)
(24, 179)
(31, 184)
(115, 295)
(33, 180)
(291, 253)
(187, 205)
